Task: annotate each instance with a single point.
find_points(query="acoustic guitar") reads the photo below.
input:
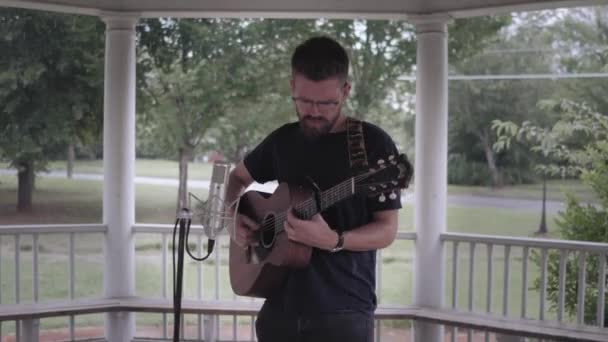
(258, 271)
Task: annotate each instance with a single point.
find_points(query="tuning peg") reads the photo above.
(394, 182)
(392, 196)
(383, 186)
(382, 198)
(380, 162)
(372, 188)
(391, 157)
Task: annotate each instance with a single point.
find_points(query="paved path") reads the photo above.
(456, 200)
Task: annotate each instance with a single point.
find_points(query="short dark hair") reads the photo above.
(320, 58)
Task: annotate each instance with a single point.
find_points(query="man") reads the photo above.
(332, 299)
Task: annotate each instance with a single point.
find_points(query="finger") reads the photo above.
(249, 223)
(289, 230)
(293, 220)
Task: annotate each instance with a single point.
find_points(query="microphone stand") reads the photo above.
(182, 230)
(184, 220)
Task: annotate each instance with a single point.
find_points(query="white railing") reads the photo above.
(18, 232)
(220, 254)
(209, 326)
(580, 250)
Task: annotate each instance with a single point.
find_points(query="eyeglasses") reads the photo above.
(322, 106)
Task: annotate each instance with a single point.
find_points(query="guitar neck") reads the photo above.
(308, 208)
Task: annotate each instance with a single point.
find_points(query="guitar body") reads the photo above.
(261, 270)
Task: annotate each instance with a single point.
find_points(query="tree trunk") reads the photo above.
(490, 158)
(542, 229)
(70, 161)
(185, 154)
(25, 178)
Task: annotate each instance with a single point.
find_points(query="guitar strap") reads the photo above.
(356, 145)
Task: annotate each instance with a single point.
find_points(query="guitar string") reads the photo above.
(341, 189)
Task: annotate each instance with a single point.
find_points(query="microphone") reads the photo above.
(212, 216)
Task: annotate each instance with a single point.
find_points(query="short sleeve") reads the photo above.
(259, 162)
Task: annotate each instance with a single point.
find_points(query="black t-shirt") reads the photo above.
(333, 281)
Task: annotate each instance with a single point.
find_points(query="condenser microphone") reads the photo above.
(215, 208)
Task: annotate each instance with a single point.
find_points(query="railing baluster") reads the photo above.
(455, 275)
(35, 271)
(524, 282)
(17, 282)
(507, 275)
(471, 275)
(71, 281)
(561, 299)
(602, 289)
(199, 285)
(543, 283)
(17, 270)
(454, 284)
(164, 278)
(218, 260)
(490, 292)
(31, 329)
(253, 329)
(582, 276)
(234, 321)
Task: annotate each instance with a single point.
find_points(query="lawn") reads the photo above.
(79, 201)
(556, 189)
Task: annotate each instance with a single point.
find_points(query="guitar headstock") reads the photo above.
(385, 178)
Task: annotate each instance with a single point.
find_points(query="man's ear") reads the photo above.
(346, 89)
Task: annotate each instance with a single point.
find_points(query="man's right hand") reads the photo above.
(245, 229)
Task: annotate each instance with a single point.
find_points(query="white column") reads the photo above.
(119, 170)
(430, 169)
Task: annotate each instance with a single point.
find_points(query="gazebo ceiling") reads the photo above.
(371, 9)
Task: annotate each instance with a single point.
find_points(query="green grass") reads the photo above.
(78, 201)
(143, 167)
(202, 171)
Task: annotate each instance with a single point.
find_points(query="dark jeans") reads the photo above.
(273, 325)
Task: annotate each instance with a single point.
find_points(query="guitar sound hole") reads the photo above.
(268, 233)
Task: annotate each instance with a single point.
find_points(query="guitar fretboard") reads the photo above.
(308, 208)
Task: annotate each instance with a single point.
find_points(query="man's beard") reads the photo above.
(315, 128)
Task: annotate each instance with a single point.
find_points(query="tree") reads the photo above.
(474, 104)
(581, 37)
(576, 145)
(199, 71)
(50, 88)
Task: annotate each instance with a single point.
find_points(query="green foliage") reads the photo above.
(473, 104)
(576, 144)
(464, 172)
(51, 82)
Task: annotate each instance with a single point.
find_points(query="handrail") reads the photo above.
(53, 228)
(594, 247)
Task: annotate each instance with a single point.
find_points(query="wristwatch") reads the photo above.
(340, 244)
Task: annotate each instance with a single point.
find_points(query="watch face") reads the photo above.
(340, 244)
